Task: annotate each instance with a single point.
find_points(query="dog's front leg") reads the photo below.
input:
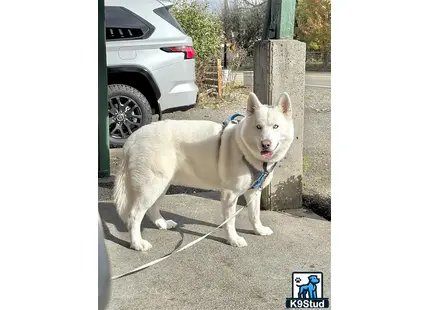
(228, 201)
(312, 294)
(254, 212)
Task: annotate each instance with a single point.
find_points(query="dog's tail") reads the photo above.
(120, 191)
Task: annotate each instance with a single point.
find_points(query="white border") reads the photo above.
(380, 153)
(380, 141)
(49, 155)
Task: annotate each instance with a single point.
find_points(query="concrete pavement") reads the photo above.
(212, 274)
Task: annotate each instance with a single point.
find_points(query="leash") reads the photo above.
(184, 247)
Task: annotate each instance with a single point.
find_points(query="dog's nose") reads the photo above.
(266, 144)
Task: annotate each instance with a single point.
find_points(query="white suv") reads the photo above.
(151, 66)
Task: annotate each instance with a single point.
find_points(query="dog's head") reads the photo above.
(269, 130)
(313, 279)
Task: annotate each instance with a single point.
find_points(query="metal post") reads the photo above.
(288, 16)
(279, 19)
(225, 56)
(103, 141)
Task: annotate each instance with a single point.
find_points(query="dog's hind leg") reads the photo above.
(254, 212)
(147, 195)
(156, 217)
(300, 294)
(303, 292)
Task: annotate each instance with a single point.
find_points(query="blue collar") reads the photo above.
(231, 119)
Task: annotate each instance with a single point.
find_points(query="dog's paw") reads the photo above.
(171, 224)
(263, 231)
(143, 245)
(237, 241)
(163, 224)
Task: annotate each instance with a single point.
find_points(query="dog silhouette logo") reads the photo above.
(307, 291)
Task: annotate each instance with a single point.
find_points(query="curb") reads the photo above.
(107, 181)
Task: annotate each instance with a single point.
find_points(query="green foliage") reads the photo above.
(203, 27)
(314, 23)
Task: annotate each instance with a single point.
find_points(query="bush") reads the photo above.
(204, 28)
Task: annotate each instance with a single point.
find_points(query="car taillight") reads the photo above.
(188, 51)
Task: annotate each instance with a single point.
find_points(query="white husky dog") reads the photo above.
(205, 155)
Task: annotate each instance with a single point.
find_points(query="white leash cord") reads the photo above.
(184, 247)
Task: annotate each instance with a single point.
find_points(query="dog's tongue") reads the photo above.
(266, 154)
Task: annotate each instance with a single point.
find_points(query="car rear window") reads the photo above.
(122, 24)
(164, 13)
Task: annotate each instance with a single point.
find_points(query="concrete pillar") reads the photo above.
(279, 65)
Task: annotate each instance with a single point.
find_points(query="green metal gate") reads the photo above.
(103, 139)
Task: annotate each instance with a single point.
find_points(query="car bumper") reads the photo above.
(179, 97)
(182, 108)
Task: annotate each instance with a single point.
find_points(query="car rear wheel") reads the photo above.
(128, 111)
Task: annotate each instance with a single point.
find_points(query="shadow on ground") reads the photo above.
(318, 204)
(109, 215)
(174, 190)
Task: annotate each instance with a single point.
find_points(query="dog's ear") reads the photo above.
(284, 104)
(253, 103)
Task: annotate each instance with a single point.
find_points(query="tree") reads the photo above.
(243, 22)
(314, 25)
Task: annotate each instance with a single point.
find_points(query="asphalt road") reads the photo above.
(318, 79)
(312, 79)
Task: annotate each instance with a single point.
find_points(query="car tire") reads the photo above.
(128, 110)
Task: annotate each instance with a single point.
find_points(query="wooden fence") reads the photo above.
(213, 76)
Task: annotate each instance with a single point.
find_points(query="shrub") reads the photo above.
(204, 28)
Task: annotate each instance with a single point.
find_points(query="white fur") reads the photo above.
(191, 153)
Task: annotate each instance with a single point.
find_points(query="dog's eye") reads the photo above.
(258, 127)
(275, 126)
